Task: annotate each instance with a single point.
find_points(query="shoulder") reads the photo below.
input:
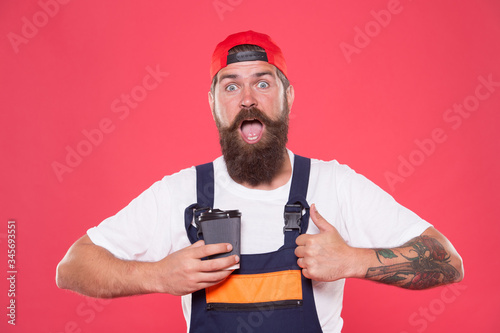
(185, 178)
(340, 178)
(332, 165)
(173, 177)
(179, 176)
(332, 169)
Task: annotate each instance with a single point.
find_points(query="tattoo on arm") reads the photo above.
(428, 267)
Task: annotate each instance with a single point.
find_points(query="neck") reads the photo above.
(281, 178)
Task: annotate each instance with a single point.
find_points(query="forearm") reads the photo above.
(93, 271)
(424, 262)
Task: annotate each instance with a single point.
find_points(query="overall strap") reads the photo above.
(296, 222)
(297, 209)
(204, 199)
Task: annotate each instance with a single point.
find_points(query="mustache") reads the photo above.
(249, 113)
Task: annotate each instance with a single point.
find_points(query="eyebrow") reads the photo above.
(235, 76)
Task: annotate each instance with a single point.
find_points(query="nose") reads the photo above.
(247, 98)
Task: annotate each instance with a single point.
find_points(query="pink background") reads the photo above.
(371, 92)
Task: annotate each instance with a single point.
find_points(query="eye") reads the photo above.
(262, 84)
(231, 87)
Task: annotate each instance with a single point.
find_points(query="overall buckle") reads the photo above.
(196, 214)
(293, 215)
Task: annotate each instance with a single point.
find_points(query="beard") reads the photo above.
(260, 162)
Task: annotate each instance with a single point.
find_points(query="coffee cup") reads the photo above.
(219, 226)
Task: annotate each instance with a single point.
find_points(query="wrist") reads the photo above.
(361, 260)
(143, 276)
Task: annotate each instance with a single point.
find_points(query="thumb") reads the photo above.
(319, 221)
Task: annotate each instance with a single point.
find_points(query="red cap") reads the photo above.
(274, 55)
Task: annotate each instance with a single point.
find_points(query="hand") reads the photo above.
(324, 256)
(183, 272)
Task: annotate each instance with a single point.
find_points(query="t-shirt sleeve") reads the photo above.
(130, 233)
(373, 219)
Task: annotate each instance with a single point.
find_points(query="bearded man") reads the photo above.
(291, 272)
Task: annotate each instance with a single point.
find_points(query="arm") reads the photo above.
(93, 271)
(426, 261)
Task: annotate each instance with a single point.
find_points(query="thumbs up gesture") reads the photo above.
(325, 256)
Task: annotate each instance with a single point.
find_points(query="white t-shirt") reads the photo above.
(152, 225)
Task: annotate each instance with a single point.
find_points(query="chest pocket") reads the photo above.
(241, 292)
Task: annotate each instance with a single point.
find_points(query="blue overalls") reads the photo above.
(268, 293)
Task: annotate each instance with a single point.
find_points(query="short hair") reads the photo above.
(250, 47)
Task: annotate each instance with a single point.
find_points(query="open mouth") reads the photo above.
(251, 130)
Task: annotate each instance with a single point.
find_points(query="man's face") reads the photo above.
(244, 85)
(251, 110)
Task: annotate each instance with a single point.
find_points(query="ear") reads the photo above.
(290, 96)
(211, 102)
